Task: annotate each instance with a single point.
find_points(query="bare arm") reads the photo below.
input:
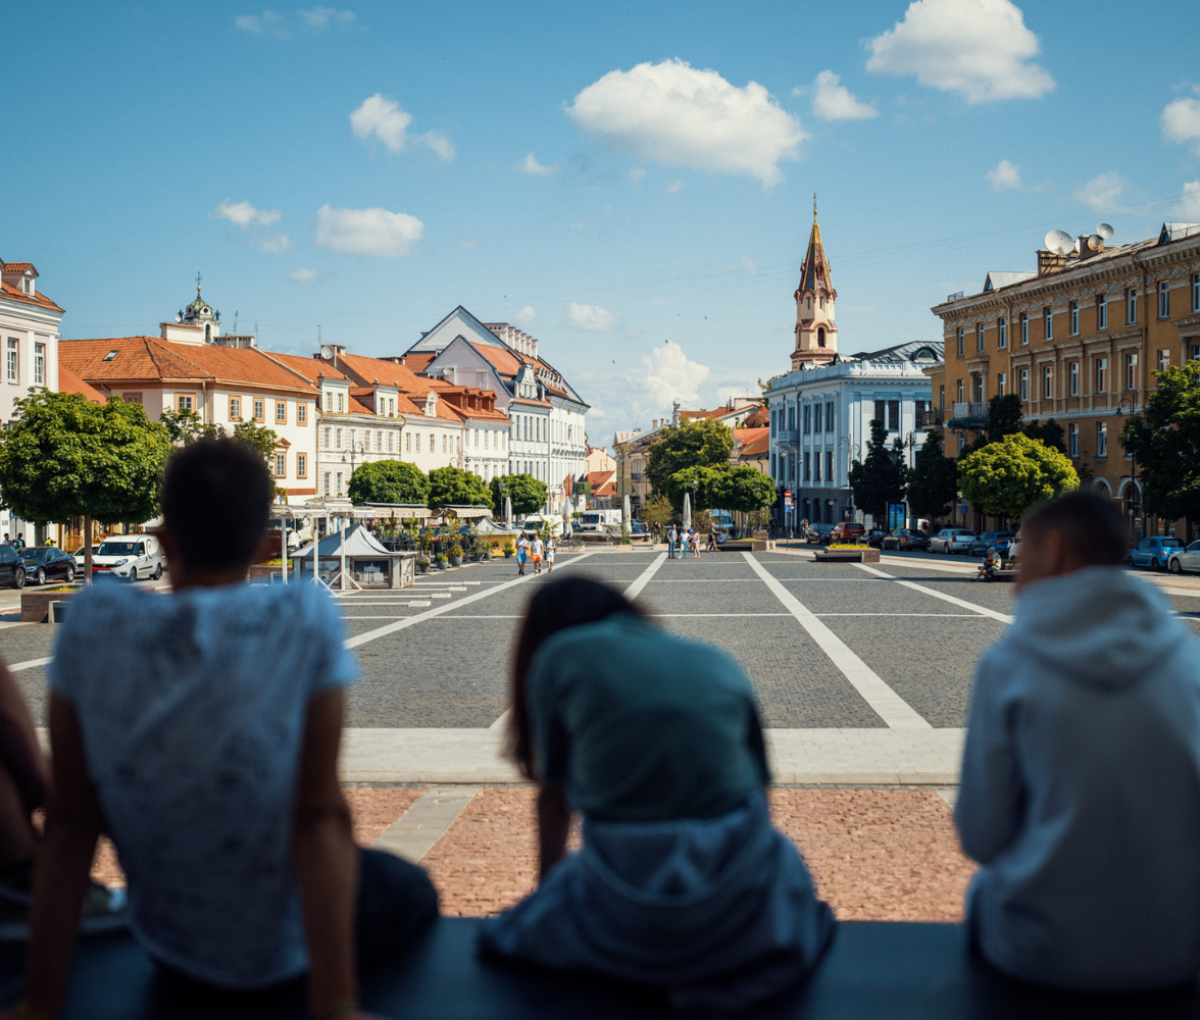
(554, 820)
(19, 744)
(73, 824)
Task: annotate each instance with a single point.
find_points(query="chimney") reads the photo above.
(1048, 262)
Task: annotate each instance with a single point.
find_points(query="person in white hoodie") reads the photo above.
(1080, 792)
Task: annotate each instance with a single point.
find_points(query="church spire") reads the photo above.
(816, 330)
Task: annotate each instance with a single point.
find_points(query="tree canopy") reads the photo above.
(1165, 442)
(1005, 479)
(879, 479)
(705, 443)
(527, 493)
(451, 486)
(657, 510)
(1005, 418)
(932, 480)
(184, 426)
(388, 481)
(260, 437)
(743, 489)
(697, 481)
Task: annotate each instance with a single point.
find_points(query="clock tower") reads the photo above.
(816, 330)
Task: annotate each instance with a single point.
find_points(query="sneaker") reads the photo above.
(104, 910)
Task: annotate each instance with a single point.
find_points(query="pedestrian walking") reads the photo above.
(522, 554)
(550, 549)
(695, 537)
(671, 539)
(712, 541)
(537, 549)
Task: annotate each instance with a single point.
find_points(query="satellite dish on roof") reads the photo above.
(1059, 242)
(1095, 242)
(326, 352)
(1105, 230)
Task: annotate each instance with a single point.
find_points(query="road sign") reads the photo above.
(966, 507)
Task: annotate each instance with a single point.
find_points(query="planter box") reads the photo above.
(746, 545)
(847, 556)
(456, 561)
(35, 605)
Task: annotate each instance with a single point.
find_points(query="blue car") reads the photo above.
(1154, 552)
(997, 540)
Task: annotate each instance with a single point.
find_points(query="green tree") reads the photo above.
(658, 512)
(388, 481)
(704, 443)
(451, 486)
(932, 480)
(184, 426)
(1165, 443)
(698, 482)
(742, 489)
(879, 479)
(1049, 432)
(527, 493)
(260, 437)
(66, 457)
(1005, 479)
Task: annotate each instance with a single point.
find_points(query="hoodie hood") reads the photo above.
(1101, 626)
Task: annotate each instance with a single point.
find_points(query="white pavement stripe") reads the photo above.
(981, 610)
(415, 832)
(885, 702)
(30, 664)
(392, 628)
(635, 589)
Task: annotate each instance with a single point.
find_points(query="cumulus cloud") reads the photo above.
(833, 101)
(1103, 192)
(979, 49)
(277, 244)
(675, 187)
(441, 146)
(678, 115)
(1181, 122)
(375, 232)
(323, 17)
(243, 214)
(304, 275)
(670, 376)
(530, 165)
(269, 21)
(525, 316)
(592, 318)
(1005, 177)
(1188, 208)
(276, 24)
(386, 120)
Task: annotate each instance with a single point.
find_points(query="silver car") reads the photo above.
(1185, 559)
(952, 540)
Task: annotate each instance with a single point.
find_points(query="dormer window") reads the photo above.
(109, 356)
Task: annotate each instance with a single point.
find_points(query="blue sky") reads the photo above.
(631, 182)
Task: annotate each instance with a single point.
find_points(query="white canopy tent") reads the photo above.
(370, 564)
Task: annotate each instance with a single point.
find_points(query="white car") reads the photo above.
(952, 540)
(130, 557)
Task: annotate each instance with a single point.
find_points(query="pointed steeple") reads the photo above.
(816, 330)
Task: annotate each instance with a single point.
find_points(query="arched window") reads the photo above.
(808, 304)
(821, 337)
(207, 334)
(822, 302)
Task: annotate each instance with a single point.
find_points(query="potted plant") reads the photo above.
(487, 553)
(456, 555)
(509, 549)
(441, 561)
(423, 564)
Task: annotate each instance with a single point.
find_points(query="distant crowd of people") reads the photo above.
(200, 731)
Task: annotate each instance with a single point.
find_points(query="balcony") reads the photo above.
(784, 437)
(973, 415)
(931, 419)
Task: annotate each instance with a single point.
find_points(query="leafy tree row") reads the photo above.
(693, 458)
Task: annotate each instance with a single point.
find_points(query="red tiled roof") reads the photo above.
(69, 382)
(16, 294)
(420, 361)
(310, 368)
(357, 407)
(15, 267)
(753, 442)
(504, 361)
(761, 418)
(603, 483)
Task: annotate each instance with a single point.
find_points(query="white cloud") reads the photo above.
(375, 232)
(1103, 192)
(243, 214)
(675, 187)
(1181, 121)
(382, 118)
(637, 175)
(304, 275)
(469, 244)
(277, 244)
(1005, 177)
(576, 225)
(1188, 208)
(747, 267)
(979, 49)
(592, 318)
(675, 114)
(670, 376)
(323, 17)
(257, 24)
(525, 316)
(833, 101)
(529, 165)
(442, 147)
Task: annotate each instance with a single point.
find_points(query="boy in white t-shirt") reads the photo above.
(550, 549)
(201, 728)
(537, 549)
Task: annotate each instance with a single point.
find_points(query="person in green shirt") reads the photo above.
(682, 883)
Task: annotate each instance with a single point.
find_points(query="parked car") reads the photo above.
(997, 540)
(904, 538)
(45, 562)
(818, 534)
(12, 569)
(1154, 552)
(79, 553)
(1185, 559)
(847, 531)
(875, 538)
(130, 557)
(952, 540)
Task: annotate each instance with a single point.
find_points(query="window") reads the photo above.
(1102, 375)
(280, 412)
(445, 446)
(959, 335)
(817, 458)
(1164, 300)
(979, 337)
(10, 362)
(327, 479)
(1073, 440)
(235, 408)
(893, 422)
(418, 450)
(959, 399)
(341, 401)
(919, 409)
(327, 402)
(1074, 312)
(942, 397)
(391, 441)
(379, 441)
(1048, 323)
(476, 431)
(1024, 328)
(1101, 439)
(260, 410)
(184, 402)
(328, 437)
(1196, 292)
(1024, 382)
(1073, 379)
(302, 465)
(1101, 311)
(281, 465)
(881, 412)
(433, 443)
(301, 413)
(816, 417)
(338, 434)
(1130, 306)
(131, 398)
(829, 417)
(1048, 382)
(829, 465)
(1195, 352)
(1001, 333)
(1001, 384)
(977, 385)
(39, 364)
(1164, 360)
(1131, 371)
(339, 483)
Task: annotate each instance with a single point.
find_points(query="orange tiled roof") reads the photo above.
(421, 360)
(603, 483)
(761, 418)
(358, 407)
(16, 294)
(310, 368)
(69, 382)
(504, 361)
(753, 442)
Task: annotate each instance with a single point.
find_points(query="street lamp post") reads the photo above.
(1134, 500)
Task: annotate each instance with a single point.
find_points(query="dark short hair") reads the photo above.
(1089, 523)
(216, 501)
(556, 606)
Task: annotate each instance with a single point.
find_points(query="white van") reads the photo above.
(599, 520)
(130, 557)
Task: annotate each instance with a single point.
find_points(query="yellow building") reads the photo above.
(1078, 340)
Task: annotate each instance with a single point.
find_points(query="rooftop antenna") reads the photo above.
(197, 283)
(814, 207)
(1105, 230)
(235, 315)
(1059, 242)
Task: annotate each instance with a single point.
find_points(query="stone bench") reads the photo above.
(872, 971)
